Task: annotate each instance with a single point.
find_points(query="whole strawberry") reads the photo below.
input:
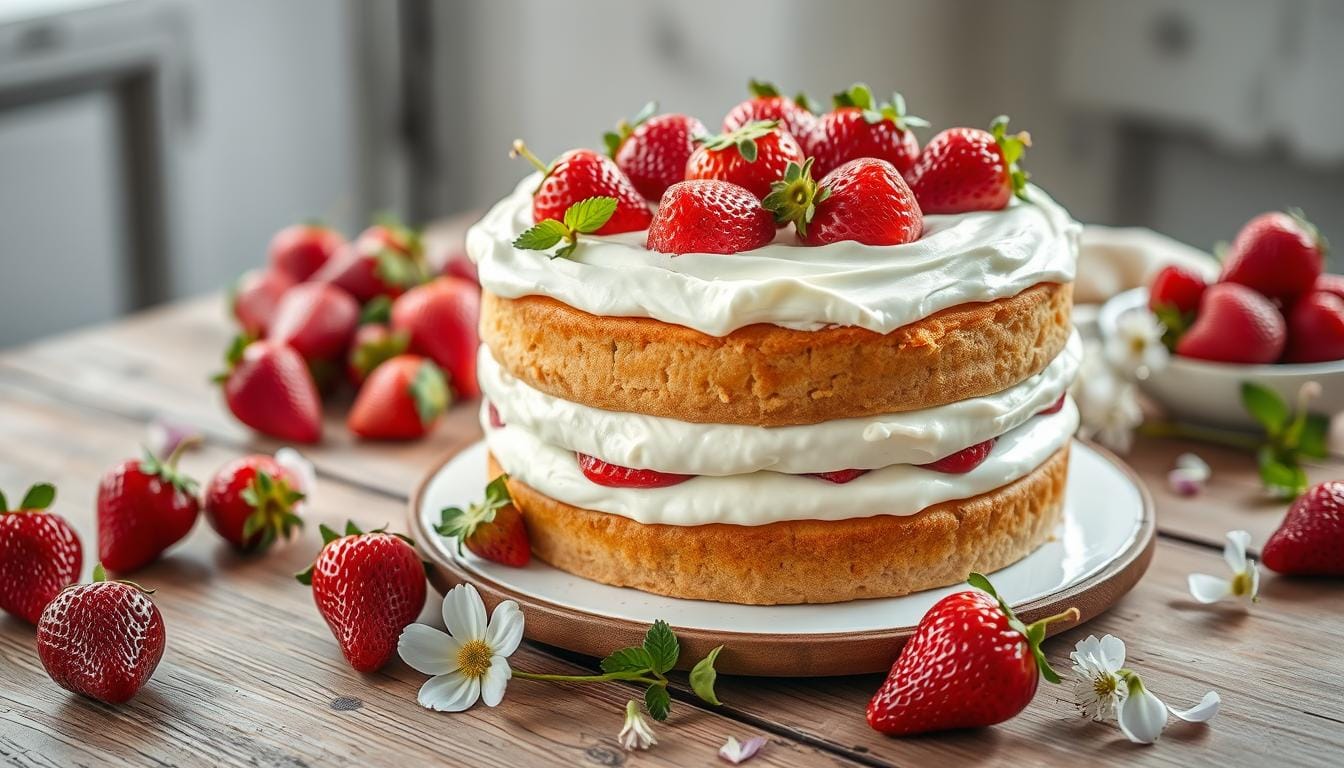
(709, 217)
(766, 103)
(1278, 254)
(865, 200)
(270, 389)
(440, 319)
(859, 126)
(39, 554)
(402, 400)
(254, 298)
(578, 175)
(752, 156)
(373, 345)
(971, 663)
(368, 587)
(102, 640)
(144, 507)
(385, 260)
(1315, 329)
(252, 501)
(1174, 297)
(1235, 325)
(300, 250)
(493, 529)
(1310, 540)
(317, 320)
(967, 169)
(652, 150)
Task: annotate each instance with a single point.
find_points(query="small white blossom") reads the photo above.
(636, 733)
(737, 752)
(1189, 475)
(1108, 406)
(1099, 688)
(1245, 581)
(470, 662)
(1136, 349)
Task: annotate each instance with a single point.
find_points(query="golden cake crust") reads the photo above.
(770, 376)
(800, 561)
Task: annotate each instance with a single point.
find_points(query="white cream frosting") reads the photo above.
(669, 445)
(970, 257)
(766, 497)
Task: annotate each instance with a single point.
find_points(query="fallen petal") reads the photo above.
(1201, 712)
(1183, 482)
(1142, 716)
(735, 752)
(1196, 466)
(1209, 589)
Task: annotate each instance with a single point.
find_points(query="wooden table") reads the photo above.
(252, 676)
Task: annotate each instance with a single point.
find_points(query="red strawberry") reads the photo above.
(864, 200)
(496, 421)
(402, 400)
(752, 156)
(1176, 287)
(317, 320)
(614, 476)
(251, 502)
(440, 318)
(652, 150)
(459, 265)
(971, 663)
(374, 344)
(1235, 325)
(269, 388)
(1316, 329)
(709, 217)
(578, 175)
(967, 169)
(255, 297)
(144, 507)
(368, 587)
(1310, 540)
(493, 529)
(1055, 408)
(861, 127)
(1331, 284)
(966, 459)
(102, 640)
(840, 476)
(302, 249)
(39, 554)
(766, 103)
(385, 260)
(1278, 254)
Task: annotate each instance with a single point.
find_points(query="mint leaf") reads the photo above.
(1283, 480)
(589, 215)
(541, 236)
(632, 659)
(1265, 406)
(662, 647)
(657, 701)
(703, 676)
(1315, 438)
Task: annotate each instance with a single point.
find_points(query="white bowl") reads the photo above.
(1210, 393)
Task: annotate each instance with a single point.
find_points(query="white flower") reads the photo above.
(1136, 349)
(163, 438)
(1107, 405)
(301, 469)
(636, 733)
(1245, 581)
(1142, 716)
(1187, 478)
(735, 752)
(1099, 688)
(469, 662)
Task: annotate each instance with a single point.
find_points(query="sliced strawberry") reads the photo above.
(1278, 254)
(705, 216)
(967, 169)
(752, 157)
(652, 150)
(1235, 325)
(615, 476)
(578, 175)
(861, 127)
(864, 200)
(1056, 408)
(1316, 329)
(495, 420)
(965, 460)
(840, 476)
(493, 529)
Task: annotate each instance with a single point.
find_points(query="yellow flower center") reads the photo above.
(1241, 584)
(1103, 685)
(473, 658)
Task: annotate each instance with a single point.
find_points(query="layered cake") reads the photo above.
(792, 423)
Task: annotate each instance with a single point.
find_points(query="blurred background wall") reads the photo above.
(149, 148)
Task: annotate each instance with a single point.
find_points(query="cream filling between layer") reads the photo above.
(765, 497)
(668, 445)
(969, 257)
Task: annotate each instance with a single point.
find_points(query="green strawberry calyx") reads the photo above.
(744, 138)
(1034, 632)
(38, 498)
(1013, 148)
(582, 218)
(860, 96)
(167, 471)
(233, 355)
(462, 524)
(795, 197)
(762, 89)
(1313, 233)
(429, 392)
(329, 535)
(373, 353)
(100, 575)
(614, 139)
(272, 500)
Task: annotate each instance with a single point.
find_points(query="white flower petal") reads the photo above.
(1112, 653)
(1142, 716)
(506, 628)
(495, 681)
(464, 613)
(1195, 466)
(1255, 582)
(1201, 712)
(737, 752)
(428, 650)
(1087, 648)
(1234, 552)
(301, 469)
(1209, 589)
(453, 692)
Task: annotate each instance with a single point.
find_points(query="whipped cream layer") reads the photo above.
(970, 257)
(668, 445)
(765, 497)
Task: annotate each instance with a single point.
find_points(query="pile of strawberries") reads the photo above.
(854, 173)
(367, 313)
(1271, 304)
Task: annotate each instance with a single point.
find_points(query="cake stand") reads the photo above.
(1099, 552)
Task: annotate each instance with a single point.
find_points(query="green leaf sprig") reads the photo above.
(582, 218)
(1290, 435)
(648, 664)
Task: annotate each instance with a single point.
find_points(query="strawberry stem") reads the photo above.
(520, 150)
(1034, 633)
